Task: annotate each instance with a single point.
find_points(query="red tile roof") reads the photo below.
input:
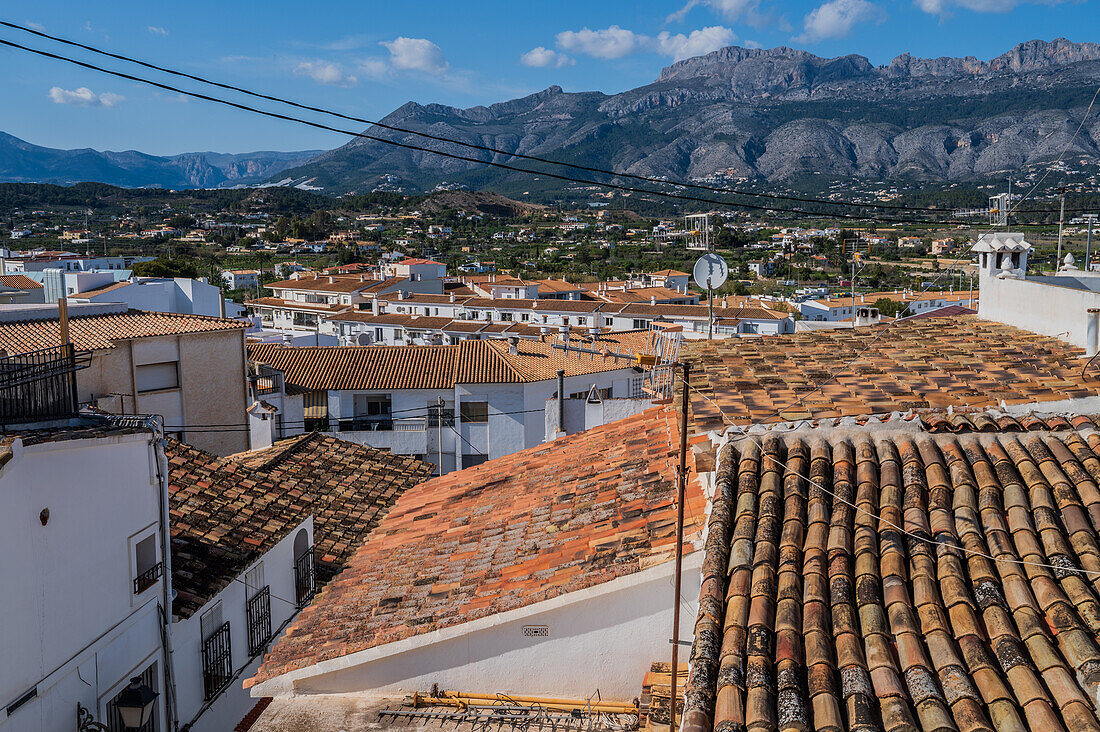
(226, 512)
(566, 515)
(98, 332)
(427, 367)
(20, 282)
(883, 581)
(337, 283)
(914, 364)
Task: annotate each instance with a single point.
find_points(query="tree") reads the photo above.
(889, 307)
(164, 267)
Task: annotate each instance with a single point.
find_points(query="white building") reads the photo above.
(164, 295)
(241, 279)
(493, 393)
(36, 261)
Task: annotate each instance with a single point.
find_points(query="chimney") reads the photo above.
(1092, 332)
(452, 297)
(652, 299)
(331, 280)
(561, 402)
(362, 278)
(374, 306)
(400, 294)
(725, 302)
(513, 346)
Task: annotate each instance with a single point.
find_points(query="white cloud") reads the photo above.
(37, 26)
(835, 19)
(728, 9)
(158, 31)
(543, 57)
(944, 7)
(416, 54)
(326, 73)
(697, 43)
(613, 42)
(616, 42)
(84, 97)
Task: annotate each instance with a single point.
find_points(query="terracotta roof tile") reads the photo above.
(322, 284)
(871, 580)
(915, 364)
(513, 531)
(226, 512)
(97, 332)
(20, 282)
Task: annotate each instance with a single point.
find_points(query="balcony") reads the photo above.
(148, 578)
(401, 436)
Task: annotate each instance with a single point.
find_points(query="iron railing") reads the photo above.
(114, 717)
(305, 577)
(258, 614)
(148, 578)
(217, 662)
(40, 385)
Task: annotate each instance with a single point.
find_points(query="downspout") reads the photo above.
(1092, 332)
(166, 557)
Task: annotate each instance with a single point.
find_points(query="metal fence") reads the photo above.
(40, 385)
(305, 577)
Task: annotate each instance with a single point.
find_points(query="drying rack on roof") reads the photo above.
(481, 710)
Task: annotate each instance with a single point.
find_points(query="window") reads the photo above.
(257, 609)
(157, 376)
(147, 569)
(305, 319)
(507, 317)
(305, 583)
(378, 335)
(475, 411)
(641, 324)
(470, 460)
(371, 412)
(217, 654)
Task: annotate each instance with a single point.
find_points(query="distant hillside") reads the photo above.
(776, 115)
(489, 204)
(22, 162)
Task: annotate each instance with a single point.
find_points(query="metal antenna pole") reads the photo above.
(681, 487)
(439, 432)
(710, 312)
(853, 286)
(1088, 241)
(1061, 221)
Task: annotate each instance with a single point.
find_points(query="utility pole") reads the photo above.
(439, 432)
(681, 488)
(853, 284)
(1088, 240)
(1061, 221)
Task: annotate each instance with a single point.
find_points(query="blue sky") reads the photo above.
(367, 58)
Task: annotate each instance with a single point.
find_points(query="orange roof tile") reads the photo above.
(914, 364)
(98, 332)
(226, 512)
(19, 282)
(553, 519)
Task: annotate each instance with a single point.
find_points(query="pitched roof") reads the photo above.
(427, 367)
(20, 282)
(97, 332)
(278, 302)
(643, 294)
(361, 367)
(870, 580)
(925, 363)
(566, 515)
(101, 290)
(226, 512)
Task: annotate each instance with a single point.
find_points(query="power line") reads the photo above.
(503, 166)
(451, 141)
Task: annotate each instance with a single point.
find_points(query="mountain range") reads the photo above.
(780, 115)
(22, 162)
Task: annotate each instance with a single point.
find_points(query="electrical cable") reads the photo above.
(451, 141)
(503, 166)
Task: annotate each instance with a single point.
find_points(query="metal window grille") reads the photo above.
(114, 719)
(305, 580)
(217, 661)
(148, 578)
(258, 613)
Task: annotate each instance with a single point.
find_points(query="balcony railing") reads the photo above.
(148, 578)
(217, 662)
(411, 424)
(40, 384)
(258, 614)
(305, 577)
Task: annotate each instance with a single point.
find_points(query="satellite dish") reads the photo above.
(710, 271)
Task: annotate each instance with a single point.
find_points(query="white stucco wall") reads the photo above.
(234, 702)
(72, 626)
(604, 637)
(1040, 305)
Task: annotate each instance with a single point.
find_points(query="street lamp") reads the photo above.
(135, 704)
